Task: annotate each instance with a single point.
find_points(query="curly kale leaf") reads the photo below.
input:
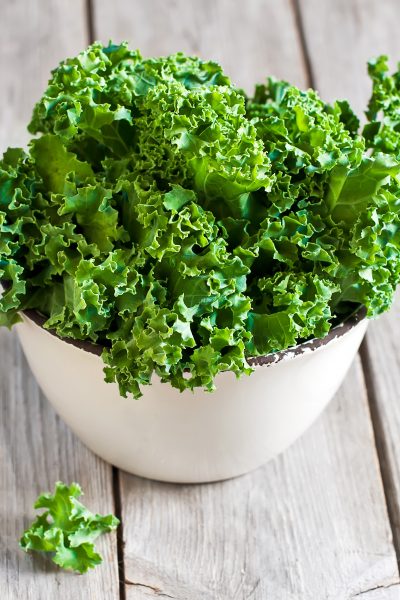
(67, 529)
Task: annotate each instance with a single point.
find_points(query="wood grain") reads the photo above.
(250, 39)
(341, 36)
(36, 449)
(390, 592)
(34, 36)
(311, 524)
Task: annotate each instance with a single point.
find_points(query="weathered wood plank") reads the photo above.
(381, 355)
(311, 524)
(36, 449)
(369, 28)
(250, 39)
(341, 37)
(35, 36)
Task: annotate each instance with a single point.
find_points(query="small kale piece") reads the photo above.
(67, 529)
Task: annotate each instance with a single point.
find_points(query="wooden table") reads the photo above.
(322, 521)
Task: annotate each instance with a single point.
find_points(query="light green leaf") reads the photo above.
(67, 529)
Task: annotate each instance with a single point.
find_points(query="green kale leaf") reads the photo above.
(67, 529)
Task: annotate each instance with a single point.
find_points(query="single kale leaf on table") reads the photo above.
(67, 529)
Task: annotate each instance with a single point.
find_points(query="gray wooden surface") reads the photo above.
(322, 521)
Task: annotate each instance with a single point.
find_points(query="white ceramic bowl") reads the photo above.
(192, 437)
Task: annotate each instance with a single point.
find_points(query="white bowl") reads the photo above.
(192, 437)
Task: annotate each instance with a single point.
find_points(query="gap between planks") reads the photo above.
(91, 33)
(116, 488)
(381, 447)
(308, 67)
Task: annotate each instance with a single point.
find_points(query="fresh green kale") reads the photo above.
(67, 529)
(186, 227)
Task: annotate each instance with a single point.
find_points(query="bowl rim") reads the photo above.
(339, 330)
